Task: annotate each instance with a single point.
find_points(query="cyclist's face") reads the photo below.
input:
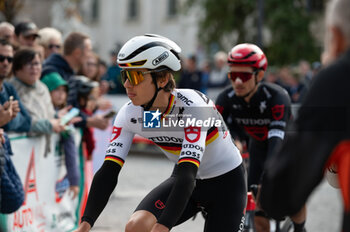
(143, 92)
(244, 84)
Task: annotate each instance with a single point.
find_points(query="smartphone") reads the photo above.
(110, 114)
(68, 116)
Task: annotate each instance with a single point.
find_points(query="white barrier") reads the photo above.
(48, 205)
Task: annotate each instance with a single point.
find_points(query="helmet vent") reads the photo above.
(144, 48)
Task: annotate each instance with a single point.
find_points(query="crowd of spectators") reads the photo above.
(211, 76)
(43, 76)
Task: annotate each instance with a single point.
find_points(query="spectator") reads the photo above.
(102, 70)
(26, 34)
(59, 90)
(218, 75)
(88, 93)
(11, 188)
(90, 67)
(7, 32)
(205, 76)
(75, 48)
(34, 94)
(191, 77)
(295, 86)
(51, 39)
(112, 77)
(20, 119)
(320, 139)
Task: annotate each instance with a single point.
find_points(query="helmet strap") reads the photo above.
(150, 103)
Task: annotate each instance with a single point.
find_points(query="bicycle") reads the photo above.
(279, 226)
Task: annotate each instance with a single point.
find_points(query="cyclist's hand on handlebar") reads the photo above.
(255, 189)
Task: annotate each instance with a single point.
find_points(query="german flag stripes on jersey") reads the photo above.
(115, 159)
(205, 143)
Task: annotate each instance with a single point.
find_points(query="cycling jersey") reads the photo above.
(264, 119)
(210, 148)
(320, 137)
(191, 133)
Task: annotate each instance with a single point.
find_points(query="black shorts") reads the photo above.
(222, 199)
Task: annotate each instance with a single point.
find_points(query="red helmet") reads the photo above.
(247, 55)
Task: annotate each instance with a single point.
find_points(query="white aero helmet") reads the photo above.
(149, 51)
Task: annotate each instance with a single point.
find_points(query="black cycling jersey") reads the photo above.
(264, 119)
(321, 136)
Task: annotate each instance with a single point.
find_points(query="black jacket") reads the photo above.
(321, 134)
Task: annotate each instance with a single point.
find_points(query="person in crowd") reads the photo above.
(11, 103)
(218, 75)
(59, 90)
(34, 94)
(26, 34)
(295, 86)
(11, 188)
(7, 32)
(319, 139)
(90, 67)
(102, 70)
(191, 76)
(262, 110)
(111, 79)
(51, 39)
(88, 96)
(75, 49)
(206, 69)
(208, 165)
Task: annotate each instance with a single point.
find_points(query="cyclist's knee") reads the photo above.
(140, 221)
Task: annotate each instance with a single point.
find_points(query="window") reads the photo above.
(133, 9)
(172, 8)
(95, 8)
(315, 5)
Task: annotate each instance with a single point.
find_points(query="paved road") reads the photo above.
(142, 172)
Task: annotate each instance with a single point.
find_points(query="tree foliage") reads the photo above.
(287, 21)
(10, 8)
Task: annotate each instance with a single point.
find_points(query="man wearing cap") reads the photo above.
(7, 31)
(26, 34)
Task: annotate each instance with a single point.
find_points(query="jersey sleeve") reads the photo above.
(280, 115)
(120, 140)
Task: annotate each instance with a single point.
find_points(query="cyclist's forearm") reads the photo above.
(180, 194)
(102, 187)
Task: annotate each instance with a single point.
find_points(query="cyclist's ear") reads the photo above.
(162, 81)
(260, 75)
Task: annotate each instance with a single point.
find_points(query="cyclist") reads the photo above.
(322, 132)
(261, 109)
(208, 175)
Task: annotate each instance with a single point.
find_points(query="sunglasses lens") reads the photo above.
(244, 76)
(8, 58)
(134, 77)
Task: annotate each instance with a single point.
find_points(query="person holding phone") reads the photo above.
(58, 90)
